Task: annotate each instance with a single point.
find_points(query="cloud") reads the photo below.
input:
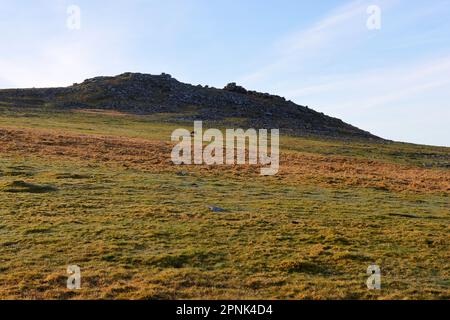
(337, 32)
(386, 82)
(378, 87)
(59, 57)
(52, 65)
(114, 38)
(406, 103)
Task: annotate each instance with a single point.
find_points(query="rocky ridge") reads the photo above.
(149, 94)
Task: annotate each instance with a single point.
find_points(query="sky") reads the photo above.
(390, 76)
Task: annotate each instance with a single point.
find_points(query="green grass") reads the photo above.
(151, 126)
(160, 127)
(150, 235)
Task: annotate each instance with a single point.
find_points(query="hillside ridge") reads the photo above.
(140, 93)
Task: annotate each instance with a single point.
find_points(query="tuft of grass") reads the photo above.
(303, 266)
(352, 256)
(37, 230)
(72, 176)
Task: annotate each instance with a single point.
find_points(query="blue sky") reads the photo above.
(393, 82)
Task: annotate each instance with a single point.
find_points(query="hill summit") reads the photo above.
(149, 94)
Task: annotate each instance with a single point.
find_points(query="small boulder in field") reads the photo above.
(215, 209)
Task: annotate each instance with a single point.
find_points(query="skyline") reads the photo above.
(393, 82)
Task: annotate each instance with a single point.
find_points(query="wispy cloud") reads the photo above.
(330, 66)
(337, 32)
(116, 37)
(407, 103)
(52, 65)
(377, 87)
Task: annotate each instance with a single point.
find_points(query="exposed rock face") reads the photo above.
(232, 87)
(147, 94)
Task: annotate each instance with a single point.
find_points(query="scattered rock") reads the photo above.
(215, 209)
(140, 93)
(235, 88)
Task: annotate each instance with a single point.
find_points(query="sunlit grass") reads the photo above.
(141, 231)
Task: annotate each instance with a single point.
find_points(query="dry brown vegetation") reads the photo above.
(152, 155)
(99, 190)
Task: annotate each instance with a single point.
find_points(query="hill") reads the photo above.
(149, 94)
(97, 188)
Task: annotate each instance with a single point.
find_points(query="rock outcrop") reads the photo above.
(147, 94)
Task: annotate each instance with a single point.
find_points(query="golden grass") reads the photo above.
(112, 202)
(295, 167)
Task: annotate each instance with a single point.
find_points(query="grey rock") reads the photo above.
(149, 94)
(215, 209)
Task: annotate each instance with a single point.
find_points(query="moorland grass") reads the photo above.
(141, 233)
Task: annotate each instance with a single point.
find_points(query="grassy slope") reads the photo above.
(139, 233)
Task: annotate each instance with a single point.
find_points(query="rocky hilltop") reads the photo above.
(148, 94)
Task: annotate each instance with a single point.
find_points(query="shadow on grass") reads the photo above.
(20, 186)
